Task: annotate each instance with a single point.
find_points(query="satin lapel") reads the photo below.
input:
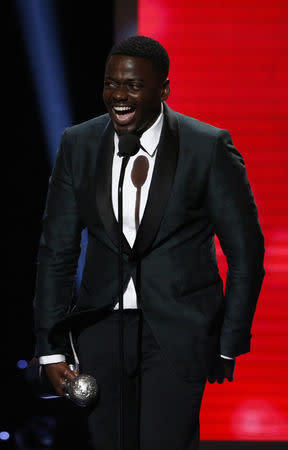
(103, 177)
(161, 184)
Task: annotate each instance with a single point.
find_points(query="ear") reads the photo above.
(165, 90)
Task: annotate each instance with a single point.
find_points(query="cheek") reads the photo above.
(150, 106)
(107, 94)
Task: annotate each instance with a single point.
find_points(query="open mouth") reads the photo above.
(123, 114)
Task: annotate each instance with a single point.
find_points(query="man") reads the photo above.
(177, 319)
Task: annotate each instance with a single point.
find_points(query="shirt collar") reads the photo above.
(150, 138)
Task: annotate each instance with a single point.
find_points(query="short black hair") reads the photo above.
(144, 47)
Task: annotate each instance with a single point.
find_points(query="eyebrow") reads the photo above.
(129, 79)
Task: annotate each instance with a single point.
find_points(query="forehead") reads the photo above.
(123, 66)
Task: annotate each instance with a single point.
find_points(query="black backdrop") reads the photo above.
(86, 35)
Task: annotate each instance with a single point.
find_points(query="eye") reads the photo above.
(135, 86)
(110, 84)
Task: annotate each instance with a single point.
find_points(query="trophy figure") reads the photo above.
(82, 390)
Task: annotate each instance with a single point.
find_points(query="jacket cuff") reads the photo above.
(46, 348)
(235, 343)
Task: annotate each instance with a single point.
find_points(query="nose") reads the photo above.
(120, 93)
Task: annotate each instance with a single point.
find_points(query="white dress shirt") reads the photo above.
(149, 140)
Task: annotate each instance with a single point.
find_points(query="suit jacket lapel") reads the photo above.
(161, 184)
(103, 178)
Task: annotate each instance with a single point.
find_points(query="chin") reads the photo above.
(124, 130)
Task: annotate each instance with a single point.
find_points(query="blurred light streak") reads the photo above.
(43, 48)
(42, 44)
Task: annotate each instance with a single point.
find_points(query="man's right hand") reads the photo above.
(57, 373)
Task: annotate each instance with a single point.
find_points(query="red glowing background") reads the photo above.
(229, 67)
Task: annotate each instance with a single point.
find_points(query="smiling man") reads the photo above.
(133, 92)
(186, 183)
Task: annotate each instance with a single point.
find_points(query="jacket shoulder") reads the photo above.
(95, 125)
(189, 124)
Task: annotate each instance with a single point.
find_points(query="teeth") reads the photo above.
(122, 108)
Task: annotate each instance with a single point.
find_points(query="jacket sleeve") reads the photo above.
(233, 213)
(58, 254)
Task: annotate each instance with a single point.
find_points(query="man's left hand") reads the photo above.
(222, 368)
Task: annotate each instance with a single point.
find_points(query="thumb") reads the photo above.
(68, 374)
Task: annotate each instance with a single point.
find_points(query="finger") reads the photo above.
(230, 374)
(211, 380)
(68, 374)
(73, 373)
(228, 371)
(64, 384)
(220, 380)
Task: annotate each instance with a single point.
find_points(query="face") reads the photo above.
(133, 92)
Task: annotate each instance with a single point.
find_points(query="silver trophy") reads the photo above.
(83, 389)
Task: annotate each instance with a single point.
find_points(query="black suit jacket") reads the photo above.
(199, 187)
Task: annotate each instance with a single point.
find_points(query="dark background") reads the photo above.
(86, 36)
